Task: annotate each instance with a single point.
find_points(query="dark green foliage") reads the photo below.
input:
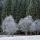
(17, 9)
(0, 13)
(8, 8)
(21, 8)
(34, 9)
(1, 30)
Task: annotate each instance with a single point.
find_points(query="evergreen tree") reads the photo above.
(34, 9)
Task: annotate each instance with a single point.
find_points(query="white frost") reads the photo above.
(35, 25)
(25, 23)
(9, 25)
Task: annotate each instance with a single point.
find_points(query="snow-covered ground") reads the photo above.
(36, 37)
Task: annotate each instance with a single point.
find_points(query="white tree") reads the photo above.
(25, 23)
(9, 25)
(35, 27)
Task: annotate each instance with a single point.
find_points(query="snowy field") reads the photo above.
(36, 37)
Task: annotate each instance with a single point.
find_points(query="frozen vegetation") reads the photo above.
(21, 11)
(35, 25)
(28, 24)
(25, 23)
(9, 25)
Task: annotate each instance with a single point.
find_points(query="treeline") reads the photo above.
(19, 9)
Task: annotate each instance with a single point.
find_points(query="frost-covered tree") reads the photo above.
(25, 23)
(35, 27)
(9, 26)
